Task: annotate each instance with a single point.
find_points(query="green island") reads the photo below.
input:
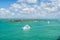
(27, 20)
(19, 20)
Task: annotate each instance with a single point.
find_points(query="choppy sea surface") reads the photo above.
(40, 30)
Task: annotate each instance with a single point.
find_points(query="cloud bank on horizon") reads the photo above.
(32, 9)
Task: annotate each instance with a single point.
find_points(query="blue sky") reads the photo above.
(6, 3)
(30, 9)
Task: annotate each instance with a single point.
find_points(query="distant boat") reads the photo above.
(26, 27)
(48, 22)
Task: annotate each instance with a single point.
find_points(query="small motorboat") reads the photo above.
(48, 22)
(26, 27)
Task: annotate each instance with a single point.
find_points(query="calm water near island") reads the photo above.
(40, 30)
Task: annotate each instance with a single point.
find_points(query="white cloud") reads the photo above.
(32, 1)
(13, 14)
(25, 9)
(15, 6)
(22, 9)
(48, 7)
(3, 10)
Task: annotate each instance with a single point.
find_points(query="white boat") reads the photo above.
(48, 22)
(26, 27)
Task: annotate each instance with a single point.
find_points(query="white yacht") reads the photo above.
(26, 27)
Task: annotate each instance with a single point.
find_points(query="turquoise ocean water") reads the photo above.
(40, 30)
